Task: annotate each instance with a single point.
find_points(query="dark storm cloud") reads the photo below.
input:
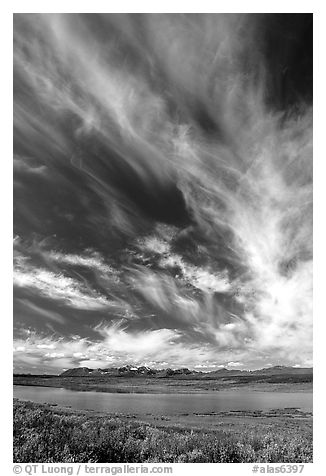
(162, 189)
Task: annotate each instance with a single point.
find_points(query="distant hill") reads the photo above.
(133, 370)
(281, 369)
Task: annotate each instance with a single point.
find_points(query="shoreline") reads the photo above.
(228, 416)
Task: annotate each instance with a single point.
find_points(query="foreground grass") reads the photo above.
(44, 435)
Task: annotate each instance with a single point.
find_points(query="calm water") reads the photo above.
(161, 404)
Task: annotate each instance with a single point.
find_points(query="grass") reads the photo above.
(176, 384)
(44, 434)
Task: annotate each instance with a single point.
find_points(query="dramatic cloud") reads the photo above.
(162, 190)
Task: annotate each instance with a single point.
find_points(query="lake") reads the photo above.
(165, 404)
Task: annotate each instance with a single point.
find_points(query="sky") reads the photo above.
(162, 191)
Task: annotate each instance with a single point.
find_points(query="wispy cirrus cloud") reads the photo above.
(116, 133)
(197, 276)
(60, 287)
(91, 260)
(43, 313)
(26, 165)
(81, 282)
(57, 285)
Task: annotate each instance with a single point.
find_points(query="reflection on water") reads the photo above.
(165, 403)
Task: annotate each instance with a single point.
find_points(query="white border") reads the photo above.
(319, 195)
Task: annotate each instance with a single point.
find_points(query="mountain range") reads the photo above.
(131, 370)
